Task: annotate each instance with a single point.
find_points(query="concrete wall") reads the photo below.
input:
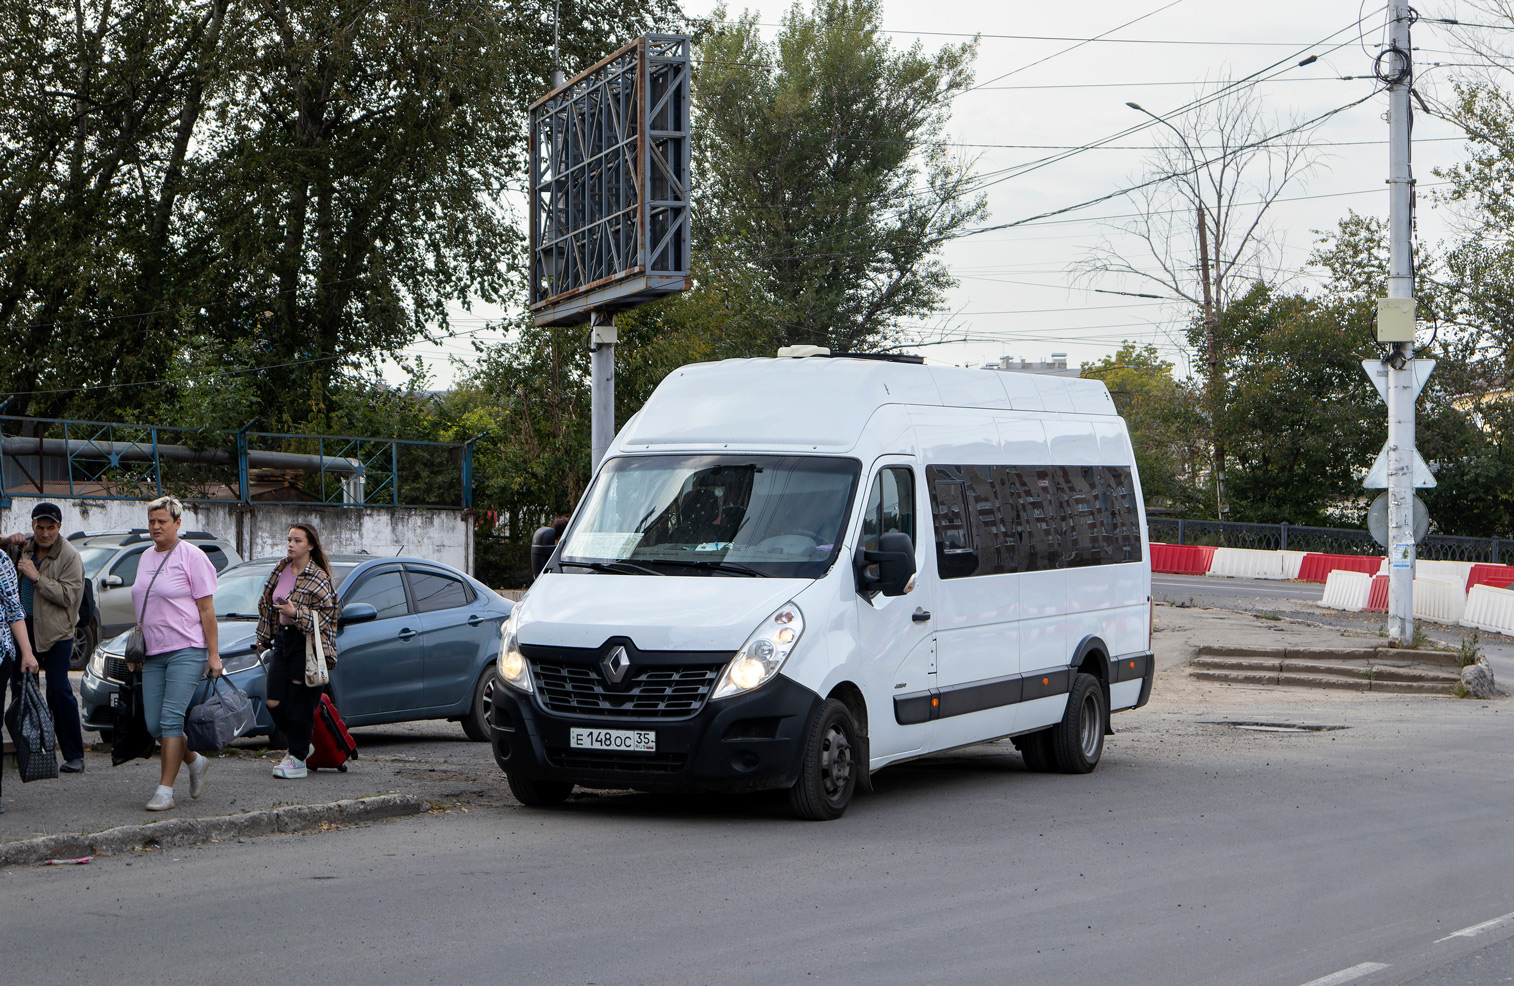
(260, 529)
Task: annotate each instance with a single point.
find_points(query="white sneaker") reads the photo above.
(290, 769)
(161, 801)
(197, 775)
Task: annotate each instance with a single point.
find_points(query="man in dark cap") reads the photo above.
(52, 589)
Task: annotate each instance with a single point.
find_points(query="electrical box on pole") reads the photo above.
(609, 199)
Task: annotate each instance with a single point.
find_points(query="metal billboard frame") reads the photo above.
(609, 184)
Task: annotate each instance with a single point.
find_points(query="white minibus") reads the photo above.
(790, 573)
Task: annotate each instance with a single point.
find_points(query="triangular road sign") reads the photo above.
(1377, 476)
(1377, 372)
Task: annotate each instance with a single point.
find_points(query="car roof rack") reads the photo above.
(881, 357)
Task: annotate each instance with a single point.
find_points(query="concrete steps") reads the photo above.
(1363, 669)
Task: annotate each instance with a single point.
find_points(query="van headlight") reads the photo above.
(763, 654)
(512, 663)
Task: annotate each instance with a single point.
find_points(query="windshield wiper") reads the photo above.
(615, 568)
(717, 566)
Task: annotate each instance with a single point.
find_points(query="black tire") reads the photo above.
(538, 794)
(107, 736)
(1036, 749)
(828, 770)
(477, 722)
(1077, 741)
(85, 640)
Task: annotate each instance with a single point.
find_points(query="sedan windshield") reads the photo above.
(239, 589)
(777, 516)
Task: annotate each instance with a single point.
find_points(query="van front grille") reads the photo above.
(656, 691)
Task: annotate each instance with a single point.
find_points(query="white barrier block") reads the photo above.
(1347, 590)
(1444, 571)
(1443, 602)
(1490, 609)
(1292, 562)
(1246, 563)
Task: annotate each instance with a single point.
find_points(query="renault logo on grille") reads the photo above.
(616, 664)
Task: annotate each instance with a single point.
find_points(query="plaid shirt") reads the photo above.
(10, 607)
(312, 593)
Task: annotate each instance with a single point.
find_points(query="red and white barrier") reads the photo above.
(1489, 609)
(1347, 590)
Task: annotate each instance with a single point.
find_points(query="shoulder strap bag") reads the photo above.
(136, 644)
(316, 673)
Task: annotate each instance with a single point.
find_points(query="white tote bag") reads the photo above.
(316, 673)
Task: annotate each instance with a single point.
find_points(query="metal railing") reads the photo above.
(102, 460)
(1331, 540)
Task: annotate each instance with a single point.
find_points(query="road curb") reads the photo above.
(195, 831)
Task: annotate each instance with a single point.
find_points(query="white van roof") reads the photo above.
(825, 402)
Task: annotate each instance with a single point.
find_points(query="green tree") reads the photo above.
(1165, 425)
(825, 185)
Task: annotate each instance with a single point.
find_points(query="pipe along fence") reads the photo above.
(61, 458)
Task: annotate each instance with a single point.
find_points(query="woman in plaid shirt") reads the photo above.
(299, 589)
(13, 637)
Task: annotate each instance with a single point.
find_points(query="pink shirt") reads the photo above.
(281, 590)
(172, 620)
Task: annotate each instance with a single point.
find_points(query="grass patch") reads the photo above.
(1469, 652)
(1267, 615)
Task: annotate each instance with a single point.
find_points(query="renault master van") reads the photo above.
(791, 573)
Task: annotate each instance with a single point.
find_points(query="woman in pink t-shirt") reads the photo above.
(177, 582)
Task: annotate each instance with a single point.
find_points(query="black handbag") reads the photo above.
(221, 718)
(31, 728)
(130, 739)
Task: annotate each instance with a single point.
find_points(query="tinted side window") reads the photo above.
(216, 555)
(434, 591)
(995, 519)
(385, 592)
(126, 568)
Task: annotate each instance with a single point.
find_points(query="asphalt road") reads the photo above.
(1222, 593)
(1197, 853)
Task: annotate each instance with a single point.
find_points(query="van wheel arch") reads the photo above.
(850, 695)
(1092, 658)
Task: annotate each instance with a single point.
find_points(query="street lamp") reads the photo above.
(1211, 345)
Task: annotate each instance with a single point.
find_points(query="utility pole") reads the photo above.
(1211, 344)
(602, 339)
(1395, 68)
(1214, 393)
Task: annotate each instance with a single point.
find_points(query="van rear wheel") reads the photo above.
(1077, 742)
(829, 769)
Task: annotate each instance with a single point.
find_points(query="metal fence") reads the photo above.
(1332, 540)
(99, 460)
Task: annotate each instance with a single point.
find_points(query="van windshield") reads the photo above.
(777, 516)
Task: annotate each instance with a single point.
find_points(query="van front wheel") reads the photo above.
(1077, 742)
(538, 794)
(828, 770)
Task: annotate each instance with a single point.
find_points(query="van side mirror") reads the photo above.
(889, 569)
(357, 613)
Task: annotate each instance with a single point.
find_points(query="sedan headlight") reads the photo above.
(763, 654)
(97, 662)
(239, 662)
(512, 663)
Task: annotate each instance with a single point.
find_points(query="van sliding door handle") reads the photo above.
(921, 616)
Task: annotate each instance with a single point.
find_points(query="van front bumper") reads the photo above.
(748, 742)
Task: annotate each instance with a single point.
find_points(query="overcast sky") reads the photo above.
(1042, 91)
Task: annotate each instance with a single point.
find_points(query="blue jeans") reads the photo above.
(168, 683)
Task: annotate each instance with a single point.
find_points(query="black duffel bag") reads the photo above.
(130, 739)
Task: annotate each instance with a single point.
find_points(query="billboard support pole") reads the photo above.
(602, 340)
